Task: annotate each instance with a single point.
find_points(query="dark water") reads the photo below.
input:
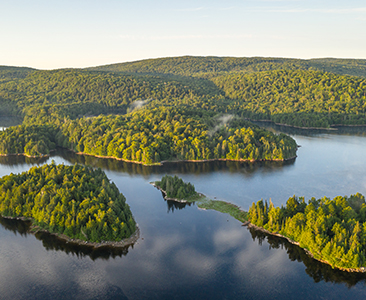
(187, 253)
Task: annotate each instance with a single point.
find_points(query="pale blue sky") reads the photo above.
(50, 34)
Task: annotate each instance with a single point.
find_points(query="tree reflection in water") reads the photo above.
(314, 268)
(53, 243)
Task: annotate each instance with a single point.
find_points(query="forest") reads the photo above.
(150, 136)
(182, 108)
(304, 93)
(333, 230)
(73, 200)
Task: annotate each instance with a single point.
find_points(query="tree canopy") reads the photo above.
(333, 230)
(73, 200)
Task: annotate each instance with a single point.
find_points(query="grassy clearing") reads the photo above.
(224, 207)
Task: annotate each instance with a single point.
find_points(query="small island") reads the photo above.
(76, 203)
(331, 231)
(175, 189)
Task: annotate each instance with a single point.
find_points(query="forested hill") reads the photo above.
(8, 73)
(304, 93)
(211, 65)
(74, 93)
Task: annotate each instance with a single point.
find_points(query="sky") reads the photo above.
(50, 34)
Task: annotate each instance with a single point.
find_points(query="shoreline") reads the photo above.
(330, 128)
(255, 227)
(115, 244)
(158, 163)
(26, 155)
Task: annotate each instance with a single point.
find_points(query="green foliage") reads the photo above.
(211, 66)
(8, 73)
(33, 140)
(299, 98)
(152, 135)
(332, 230)
(226, 208)
(73, 200)
(74, 93)
(176, 188)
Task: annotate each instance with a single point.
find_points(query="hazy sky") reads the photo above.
(55, 34)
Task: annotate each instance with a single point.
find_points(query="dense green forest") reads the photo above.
(151, 136)
(300, 98)
(32, 140)
(332, 230)
(176, 188)
(305, 93)
(73, 200)
(175, 108)
(210, 66)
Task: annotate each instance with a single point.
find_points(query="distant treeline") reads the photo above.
(211, 66)
(73, 200)
(332, 230)
(305, 93)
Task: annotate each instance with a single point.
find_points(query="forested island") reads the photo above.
(175, 189)
(330, 230)
(74, 202)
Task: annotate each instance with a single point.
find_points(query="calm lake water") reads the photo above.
(187, 253)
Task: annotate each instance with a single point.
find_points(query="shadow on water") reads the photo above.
(53, 243)
(315, 269)
(172, 167)
(13, 160)
(247, 168)
(173, 205)
(16, 226)
(340, 130)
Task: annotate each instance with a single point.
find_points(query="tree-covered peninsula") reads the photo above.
(332, 231)
(152, 135)
(76, 201)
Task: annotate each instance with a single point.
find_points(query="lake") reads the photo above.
(187, 253)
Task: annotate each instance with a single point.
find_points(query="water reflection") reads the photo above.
(13, 160)
(51, 242)
(15, 226)
(174, 205)
(315, 269)
(340, 130)
(247, 168)
(173, 168)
